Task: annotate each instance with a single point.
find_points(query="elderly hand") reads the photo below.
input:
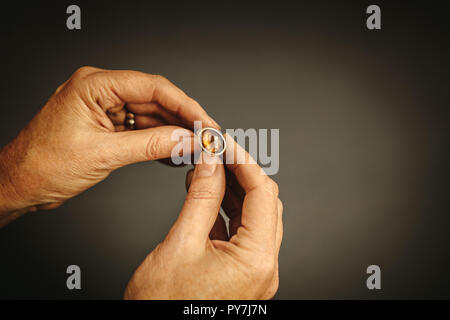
(77, 138)
(197, 259)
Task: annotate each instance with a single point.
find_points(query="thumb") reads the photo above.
(128, 147)
(202, 202)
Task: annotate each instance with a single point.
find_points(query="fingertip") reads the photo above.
(214, 124)
(207, 165)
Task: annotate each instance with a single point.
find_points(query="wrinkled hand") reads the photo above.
(75, 141)
(197, 259)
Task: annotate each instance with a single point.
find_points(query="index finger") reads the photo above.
(177, 102)
(260, 207)
(124, 86)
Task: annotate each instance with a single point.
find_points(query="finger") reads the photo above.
(279, 235)
(112, 88)
(117, 118)
(202, 202)
(232, 206)
(149, 108)
(154, 109)
(143, 122)
(244, 168)
(115, 109)
(81, 73)
(219, 229)
(122, 148)
(49, 206)
(232, 202)
(272, 289)
(86, 71)
(259, 210)
(234, 184)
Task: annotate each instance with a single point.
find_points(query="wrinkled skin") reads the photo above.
(74, 142)
(78, 138)
(198, 260)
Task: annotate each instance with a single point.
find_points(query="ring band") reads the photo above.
(130, 121)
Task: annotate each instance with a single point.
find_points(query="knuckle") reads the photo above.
(271, 186)
(83, 72)
(153, 147)
(60, 88)
(280, 205)
(130, 75)
(191, 102)
(160, 78)
(201, 194)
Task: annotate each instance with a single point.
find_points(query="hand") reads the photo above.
(72, 144)
(196, 260)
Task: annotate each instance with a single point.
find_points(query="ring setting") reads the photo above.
(211, 141)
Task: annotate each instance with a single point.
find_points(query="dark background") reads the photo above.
(363, 118)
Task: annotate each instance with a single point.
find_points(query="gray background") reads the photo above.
(363, 119)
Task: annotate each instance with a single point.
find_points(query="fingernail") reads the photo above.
(207, 166)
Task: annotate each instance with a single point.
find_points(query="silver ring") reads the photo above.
(130, 121)
(207, 148)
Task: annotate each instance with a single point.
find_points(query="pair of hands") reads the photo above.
(78, 138)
